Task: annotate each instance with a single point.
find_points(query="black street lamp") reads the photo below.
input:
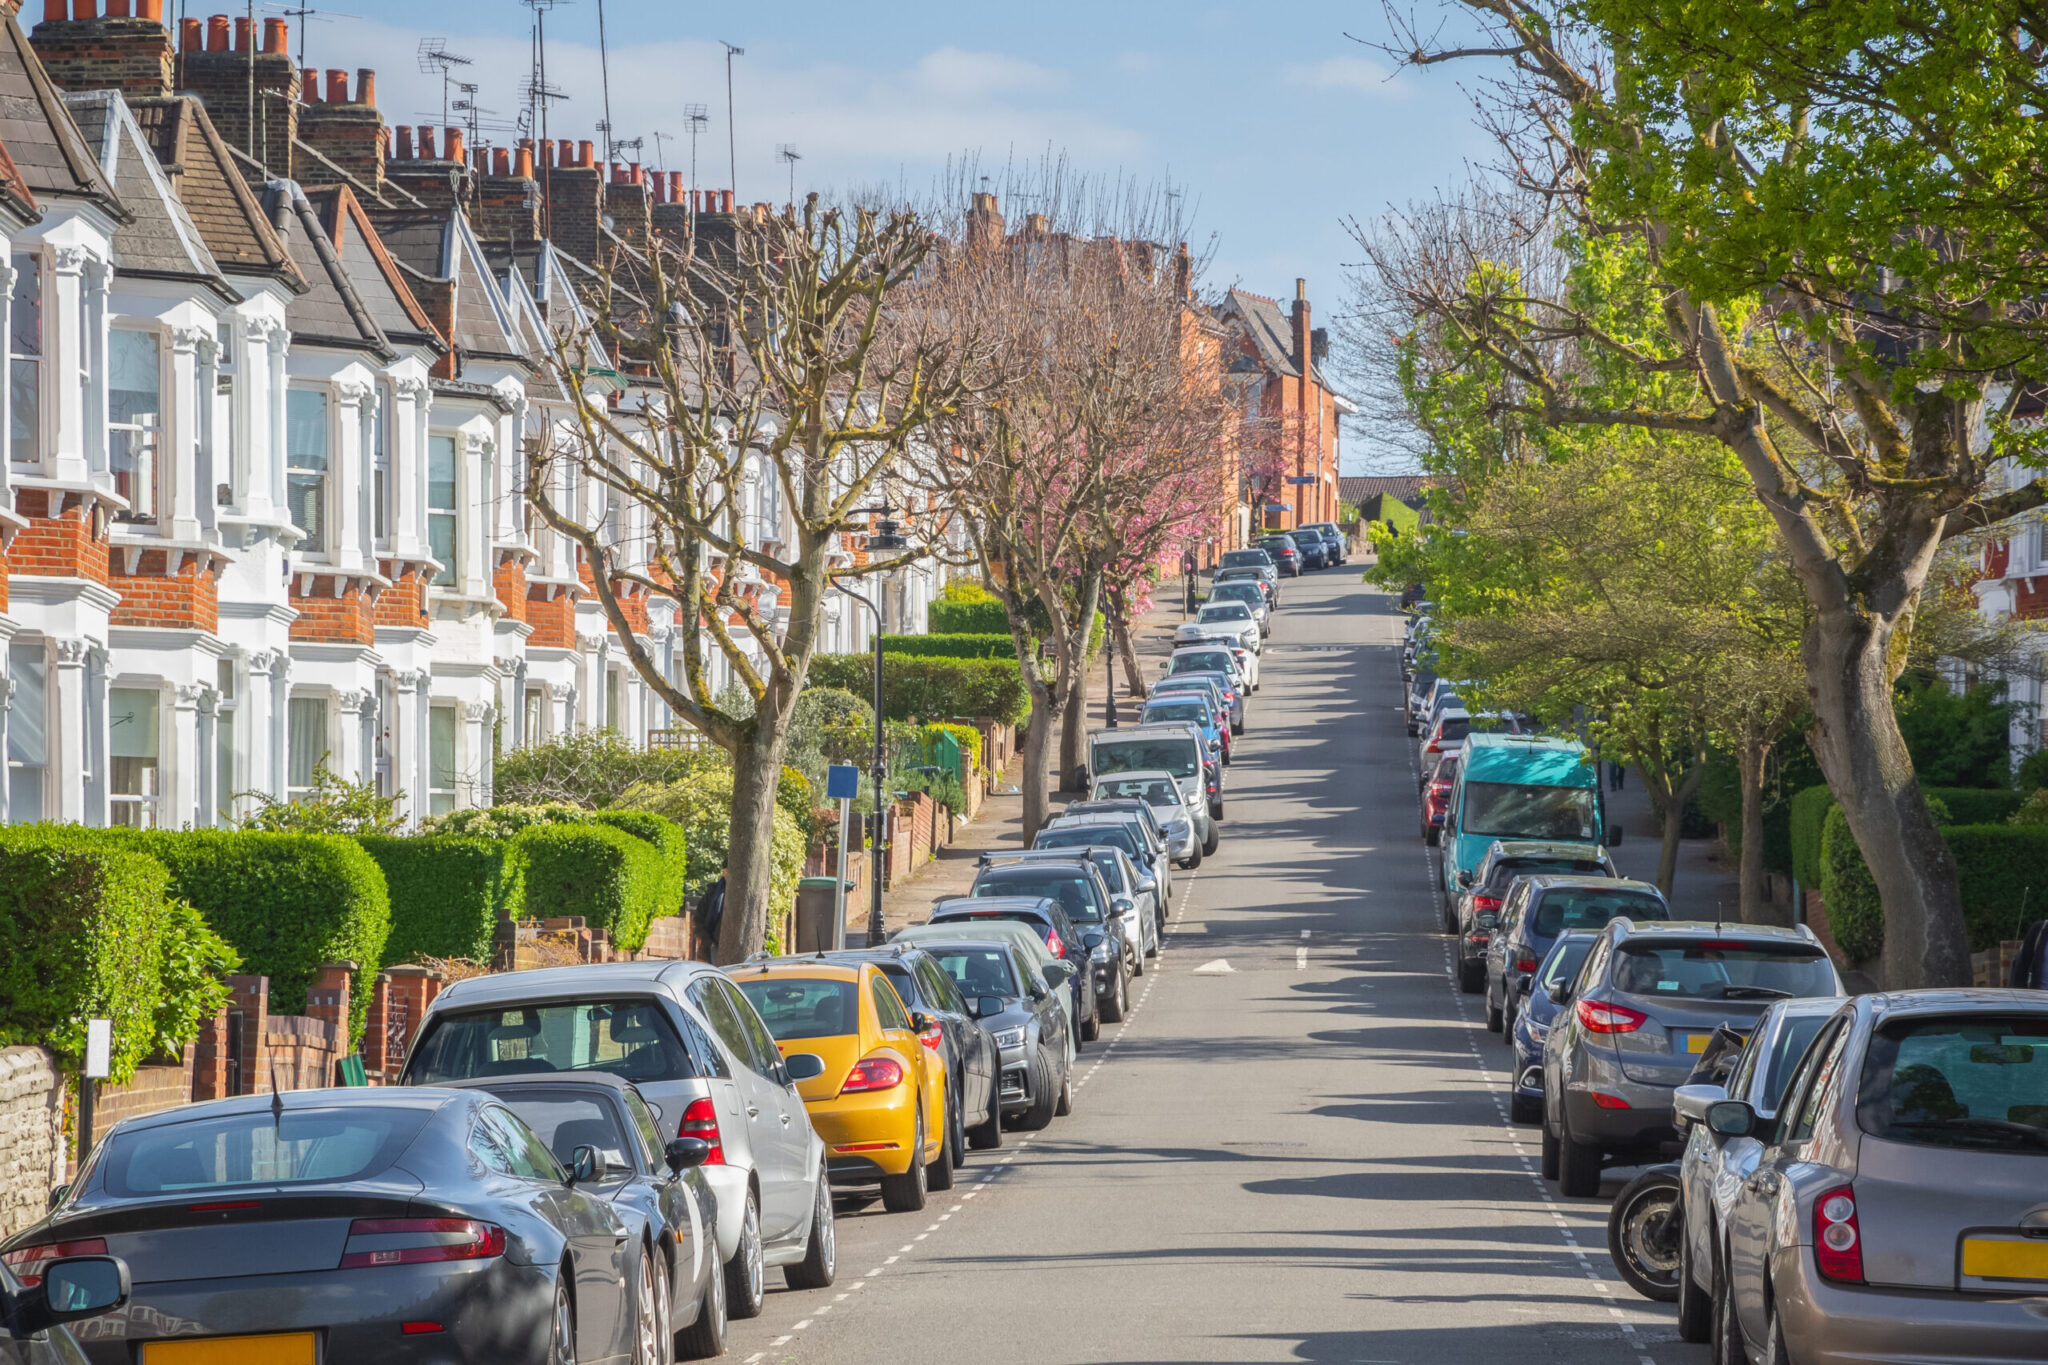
(880, 775)
(1109, 696)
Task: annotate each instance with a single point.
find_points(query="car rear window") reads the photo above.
(804, 1007)
(1575, 909)
(1116, 836)
(1153, 791)
(1507, 869)
(299, 1147)
(628, 1038)
(1074, 892)
(1721, 969)
(1176, 756)
(1174, 710)
(1239, 558)
(1974, 1081)
(1454, 727)
(1202, 661)
(565, 1122)
(977, 971)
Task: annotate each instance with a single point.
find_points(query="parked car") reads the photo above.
(1486, 890)
(880, 1102)
(1712, 1166)
(1541, 905)
(1026, 897)
(1895, 1209)
(657, 1185)
(1286, 554)
(388, 1224)
(1453, 723)
(1108, 841)
(1069, 878)
(1222, 620)
(1024, 937)
(1250, 558)
(68, 1289)
(1421, 687)
(1017, 1006)
(1442, 692)
(1157, 791)
(1315, 552)
(1220, 687)
(1334, 549)
(1263, 574)
(689, 1040)
(965, 1050)
(1133, 831)
(1176, 749)
(1533, 1018)
(1436, 794)
(1216, 657)
(1251, 594)
(1190, 708)
(1513, 787)
(1641, 1009)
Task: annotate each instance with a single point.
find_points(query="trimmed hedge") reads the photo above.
(917, 688)
(2003, 874)
(1855, 916)
(966, 736)
(615, 881)
(286, 902)
(1809, 812)
(668, 840)
(446, 891)
(968, 618)
(953, 646)
(1965, 806)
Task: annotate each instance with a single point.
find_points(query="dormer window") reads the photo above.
(134, 417)
(25, 361)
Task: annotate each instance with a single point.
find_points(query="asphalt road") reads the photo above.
(1304, 1158)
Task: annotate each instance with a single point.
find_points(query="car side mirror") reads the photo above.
(587, 1166)
(1148, 887)
(1058, 973)
(1465, 881)
(803, 1066)
(1691, 1102)
(57, 1197)
(1559, 992)
(685, 1152)
(73, 1288)
(1124, 904)
(1731, 1118)
(1613, 834)
(987, 1006)
(1091, 939)
(919, 1021)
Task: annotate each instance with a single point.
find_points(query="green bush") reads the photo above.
(949, 646)
(667, 839)
(615, 881)
(1950, 805)
(1956, 739)
(1809, 812)
(2032, 774)
(588, 768)
(286, 902)
(968, 738)
(922, 689)
(1977, 805)
(702, 806)
(194, 967)
(446, 891)
(969, 618)
(1855, 917)
(2002, 871)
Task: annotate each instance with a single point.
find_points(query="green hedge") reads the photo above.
(286, 902)
(1855, 917)
(953, 646)
(615, 881)
(446, 891)
(2002, 871)
(920, 689)
(1965, 806)
(968, 618)
(668, 840)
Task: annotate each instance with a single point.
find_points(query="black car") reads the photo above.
(1315, 552)
(1477, 910)
(35, 1308)
(391, 1224)
(1027, 903)
(972, 1060)
(1286, 554)
(655, 1185)
(1070, 877)
(1022, 1014)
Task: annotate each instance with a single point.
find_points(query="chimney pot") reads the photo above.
(309, 87)
(725, 201)
(217, 33)
(586, 154)
(56, 11)
(191, 34)
(568, 154)
(245, 36)
(618, 172)
(404, 142)
(426, 152)
(451, 148)
(337, 87)
(547, 153)
(1300, 290)
(633, 175)
(366, 81)
(117, 9)
(84, 9)
(522, 162)
(150, 9)
(501, 161)
(675, 187)
(277, 35)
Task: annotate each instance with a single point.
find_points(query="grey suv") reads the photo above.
(1634, 1021)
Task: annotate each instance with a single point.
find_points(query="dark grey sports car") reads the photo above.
(394, 1225)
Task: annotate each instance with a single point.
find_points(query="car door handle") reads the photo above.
(785, 1120)
(619, 1235)
(753, 1112)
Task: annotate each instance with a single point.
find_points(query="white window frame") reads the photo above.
(442, 798)
(451, 567)
(324, 475)
(145, 807)
(294, 790)
(145, 475)
(28, 268)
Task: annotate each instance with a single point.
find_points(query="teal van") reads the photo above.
(1520, 787)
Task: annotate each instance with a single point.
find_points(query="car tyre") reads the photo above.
(1776, 1352)
(906, 1193)
(820, 1264)
(650, 1314)
(1496, 1020)
(1450, 917)
(1471, 977)
(1210, 841)
(1725, 1342)
(1065, 1104)
(705, 1338)
(987, 1135)
(938, 1175)
(1043, 1100)
(1550, 1151)
(1507, 1023)
(746, 1276)
(562, 1348)
(1644, 1209)
(1119, 1001)
(1578, 1167)
(1695, 1305)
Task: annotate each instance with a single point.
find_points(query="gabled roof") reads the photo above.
(158, 239)
(1356, 488)
(378, 282)
(437, 247)
(354, 283)
(202, 173)
(1269, 330)
(50, 154)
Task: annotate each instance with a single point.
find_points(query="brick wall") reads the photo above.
(348, 132)
(151, 596)
(404, 603)
(576, 196)
(347, 619)
(221, 78)
(627, 204)
(152, 1089)
(132, 55)
(510, 584)
(58, 541)
(31, 1134)
(508, 209)
(553, 620)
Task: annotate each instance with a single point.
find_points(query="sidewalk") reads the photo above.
(1707, 885)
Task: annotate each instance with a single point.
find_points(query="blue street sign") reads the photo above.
(842, 782)
(1301, 478)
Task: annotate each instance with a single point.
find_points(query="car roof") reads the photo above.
(602, 1080)
(795, 966)
(556, 983)
(1551, 881)
(332, 1097)
(1544, 848)
(1134, 775)
(1952, 1000)
(1038, 903)
(1724, 929)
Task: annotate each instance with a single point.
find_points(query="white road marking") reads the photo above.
(1220, 967)
(1301, 959)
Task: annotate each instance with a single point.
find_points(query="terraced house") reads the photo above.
(274, 368)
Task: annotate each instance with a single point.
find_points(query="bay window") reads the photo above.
(25, 361)
(306, 465)
(441, 509)
(132, 738)
(134, 417)
(28, 730)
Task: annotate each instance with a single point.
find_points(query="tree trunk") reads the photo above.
(1074, 729)
(1134, 673)
(756, 768)
(1750, 759)
(1037, 751)
(1674, 824)
(1856, 740)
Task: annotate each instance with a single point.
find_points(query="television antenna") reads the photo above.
(660, 158)
(302, 12)
(790, 155)
(435, 58)
(698, 116)
(731, 142)
(539, 92)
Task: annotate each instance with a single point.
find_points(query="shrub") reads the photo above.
(2032, 774)
(667, 839)
(917, 688)
(1809, 810)
(702, 805)
(1855, 917)
(615, 881)
(966, 736)
(1976, 805)
(1956, 739)
(951, 646)
(985, 617)
(286, 902)
(193, 970)
(446, 891)
(832, 724)
(589, 768)
(2033, 812)
(2002, 872)
(333, 806)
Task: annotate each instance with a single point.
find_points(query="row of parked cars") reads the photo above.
(1856, 1179)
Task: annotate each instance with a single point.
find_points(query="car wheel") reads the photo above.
(1725, 1343)
(1550, 1150)
(821, 1254)
(1135, 958)
(1043, 1100)
(1645, 1231)
(1695, 1305)
(1119, 998)
(1471, 977)
(906, 1193)
(1433, 836)
(1578, 1167)
(1507, 1023)
(745, 1275)
(987, 1135)
(1495, 1019)
(938, 1174)
(1775, 1350)
(1091, 1027)
(1450, 917)
(650, 1320)
(1522, 1109)
(562, 1348)
(1209, 843)
(1065, 1104)
(705, 1338)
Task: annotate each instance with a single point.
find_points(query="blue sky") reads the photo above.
(1277, 125)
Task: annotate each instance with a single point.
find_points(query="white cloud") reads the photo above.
(1358, 74)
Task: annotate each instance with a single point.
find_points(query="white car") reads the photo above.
(1217, 656)
(1170, 812)
(1222, 621)
(1252, 595)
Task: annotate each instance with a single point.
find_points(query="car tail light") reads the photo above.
(876, 1073)
(414, 1241)
(1606, 1101)
(1481, 904)
(931, 1036)
(700, 1120)
(1052, 943)
(1526, 964)
(28, 1262)
(1596, 1016)
(1837, 1242)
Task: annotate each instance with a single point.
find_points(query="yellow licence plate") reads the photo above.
(287, 1348)
(2002, 1258)
(1696, 1042)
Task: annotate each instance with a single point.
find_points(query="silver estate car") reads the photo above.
(698, 1052)
(1899, 1205)
(1634, 1021)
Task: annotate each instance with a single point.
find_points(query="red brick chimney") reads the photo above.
(984, 222)
(220, 75)
(124, 50)
(508, 198)
(575, 191)
(438, 181)
(348, 132)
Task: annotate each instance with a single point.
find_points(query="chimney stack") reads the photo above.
(506, 207)
(349, 133)
(576, 194)
(127, 49)
(337, 87)
(221, 76)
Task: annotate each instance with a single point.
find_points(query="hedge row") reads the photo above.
(1964, 806)
(953, 646)
(919, 688)
(2001, 872)
(446, 891)
(968, 618)
(616, 881)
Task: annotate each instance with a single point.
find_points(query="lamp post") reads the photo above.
(884, 537)
(1109, 695)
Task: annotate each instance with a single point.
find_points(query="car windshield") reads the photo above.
(1176, 756)
(804, 1006)
(1080, 836)
(1505, 870)
(1237, 592)
(565, 1122)
(1564, 961)
(1074, 892)
(1153, 791)
(1579, 909)
(1509, 810)
(629, 1038)
(1236, 559)
(1174, 710)
(1277, 546)
(1785, 1054)
(1454, 727)
(1975, 1081)
(977, 971)
(1228, 611)
(1202, 661)
(1721, 969)
(297, 1147)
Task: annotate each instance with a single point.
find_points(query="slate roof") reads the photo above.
(374, 275)
(158, 239)
(353, 283)
(203, 174)
(14, 191)
(1271, 331)
(1356, 488)
(47, 148)
(437, 247)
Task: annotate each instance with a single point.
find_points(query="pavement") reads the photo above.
(1296, 1147)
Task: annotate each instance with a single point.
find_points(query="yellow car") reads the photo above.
(880, 1104)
